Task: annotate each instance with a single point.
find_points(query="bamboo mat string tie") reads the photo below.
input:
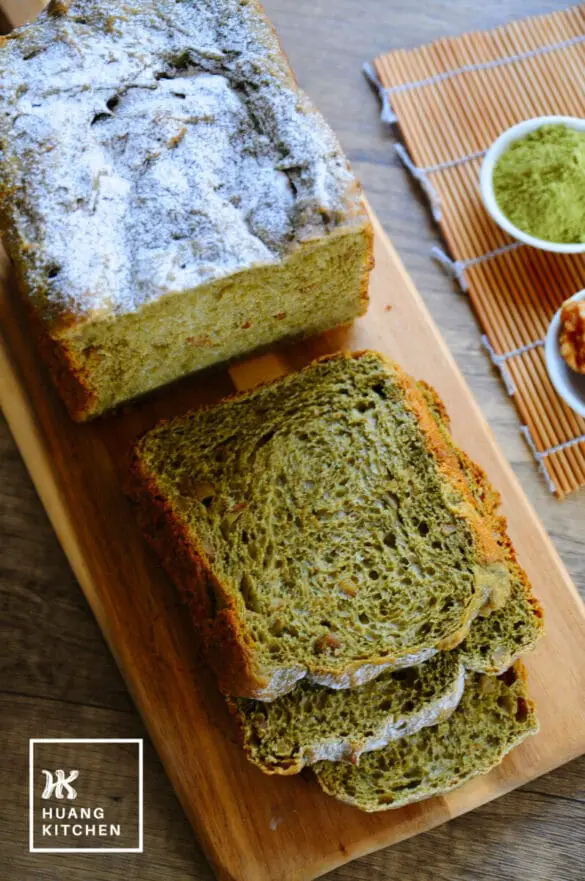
(541, 455)
(500, 360)
(454, 268)
(387, 114)
(420, 175)
(539, 458)
(452, 163)
(437, 78)
(457, 268)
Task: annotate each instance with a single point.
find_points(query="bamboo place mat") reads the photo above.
(451, 100)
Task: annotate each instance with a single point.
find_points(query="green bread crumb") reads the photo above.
(539, 184)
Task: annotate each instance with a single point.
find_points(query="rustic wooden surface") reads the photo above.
(56, 671)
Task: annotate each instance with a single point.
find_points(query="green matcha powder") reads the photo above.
(539, 184)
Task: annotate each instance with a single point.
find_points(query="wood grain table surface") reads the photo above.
(56, 675)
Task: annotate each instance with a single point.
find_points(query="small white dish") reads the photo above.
(499, 147)
(569, 384)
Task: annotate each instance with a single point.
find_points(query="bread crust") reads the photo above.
(488, 503)
(490, 497)
(227, 643)
(489, 552)
(224, 639)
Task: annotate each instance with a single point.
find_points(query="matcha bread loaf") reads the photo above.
(312, 723)
(320, 526)
(494, 716)
(300, 727)
(169, 197)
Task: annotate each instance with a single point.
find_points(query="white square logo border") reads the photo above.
(136, 740)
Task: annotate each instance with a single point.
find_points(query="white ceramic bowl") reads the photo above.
(487, 184)
(569, 384)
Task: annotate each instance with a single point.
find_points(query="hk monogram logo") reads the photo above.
(60, 786)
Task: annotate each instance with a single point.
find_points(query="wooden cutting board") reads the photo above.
(253, 827)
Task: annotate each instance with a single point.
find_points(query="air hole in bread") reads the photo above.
(380, 390)
(390, 540)
(521, 710)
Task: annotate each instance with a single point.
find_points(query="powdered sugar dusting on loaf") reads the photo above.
(156, 146)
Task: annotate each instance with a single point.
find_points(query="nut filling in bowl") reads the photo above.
(565, 352)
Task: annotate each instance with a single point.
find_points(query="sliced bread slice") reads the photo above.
(298, 728)
(493, 717)
(313, 723)
(319, 526)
